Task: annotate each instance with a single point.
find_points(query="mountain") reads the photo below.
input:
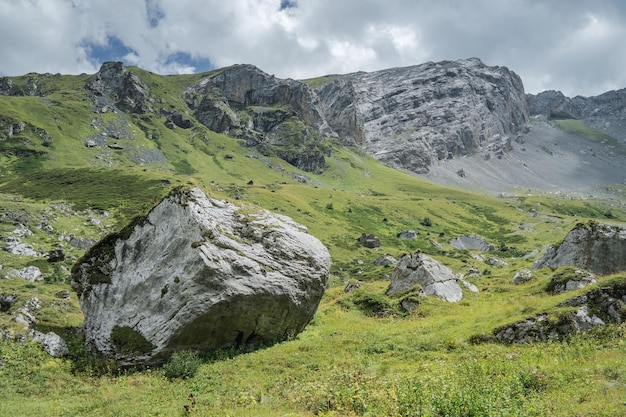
(458, 122)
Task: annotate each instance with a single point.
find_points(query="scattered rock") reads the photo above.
(386, 260)
(596, 247)
(351, 286)
(369, 241)
(52, 343)
(433, 277)
(56, 255)
(407, 234)
(198, 273)
(14, 246)
(63, 295)
(471, 242)
(498, 263)
(6, 302)
(30, 273)
(522, 276)
(409, 304)
(570, 280)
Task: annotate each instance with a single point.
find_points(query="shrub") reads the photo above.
(426, 222)
(183, 364)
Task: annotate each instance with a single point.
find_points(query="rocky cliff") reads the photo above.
(412, 117)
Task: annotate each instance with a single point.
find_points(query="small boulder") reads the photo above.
(386, 260)
(407, 234)
(522, 276)
(30, 273)
(433, 277)
(369, 241)
(52, 343)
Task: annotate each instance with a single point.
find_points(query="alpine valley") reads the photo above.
(418, 241)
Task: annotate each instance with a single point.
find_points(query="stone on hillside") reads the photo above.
(200, 274)
(6, 301)
(14, 246)
(471, 242)
(30, 273)
(433, 277)
(407, 234)
(386, 260)
(52, 343)
(56, 255)
(596, 247)
(522, 276)
(567, 281)
(369, 241)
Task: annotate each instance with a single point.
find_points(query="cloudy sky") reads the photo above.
(576, 46)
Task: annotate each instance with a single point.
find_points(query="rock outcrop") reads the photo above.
(554, 104)
(433, 277)
(596, 247)
(277, 116)
(115, 84)
(595, 308)
(471, 242)
(198, 273)
(412, 117)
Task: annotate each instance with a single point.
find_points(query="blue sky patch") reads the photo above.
(113, 50)
(288, 4)
(185, 59)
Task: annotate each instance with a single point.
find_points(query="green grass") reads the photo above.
(579, 128)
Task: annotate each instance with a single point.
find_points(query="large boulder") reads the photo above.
(198, 273)
(596, 247)
(433, 277)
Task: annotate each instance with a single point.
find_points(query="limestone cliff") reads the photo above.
(411, 117)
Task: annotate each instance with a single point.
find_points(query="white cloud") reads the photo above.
(577, 49)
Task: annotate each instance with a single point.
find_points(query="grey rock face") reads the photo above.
(599, 248)
(471, 242)
(412, 117)
(275, 115)
(52, 343)
(198, 273)
(121, 87)
(433, 277)
(555, 105)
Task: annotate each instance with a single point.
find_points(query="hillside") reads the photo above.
(81, 155)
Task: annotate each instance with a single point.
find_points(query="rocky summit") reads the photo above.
(198, 273)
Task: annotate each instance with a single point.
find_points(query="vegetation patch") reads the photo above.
(127, 340)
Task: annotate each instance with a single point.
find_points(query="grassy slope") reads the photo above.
(347, 362)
